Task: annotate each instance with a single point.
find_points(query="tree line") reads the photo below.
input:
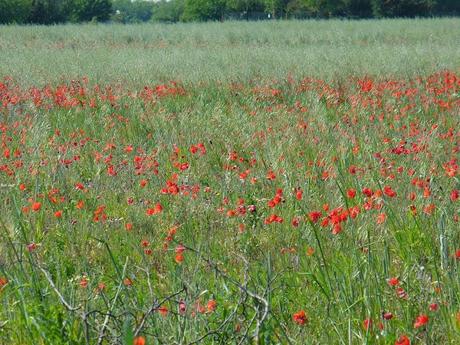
(131, 11)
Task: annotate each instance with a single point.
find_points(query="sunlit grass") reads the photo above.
(220, 209)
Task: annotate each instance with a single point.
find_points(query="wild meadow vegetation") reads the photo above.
(231, 183)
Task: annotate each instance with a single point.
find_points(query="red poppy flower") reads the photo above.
(314, 216)
(381, 218)
(388, 191)
(421, 321)
(393, 281)
(402, 340)
(300, 317)
(387, 316)
(367, 324)
(298, 194)
(139, 341)
(163, 310)
(211, 306)
(351, 193)
(179, 258)
(182, 307)
(155, 210)
(36, 206)
(434, 307)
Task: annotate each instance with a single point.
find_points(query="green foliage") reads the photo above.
(127, 11)
(403, 8)
(202, 10)
(447, 7)
(168, 11)
(48, 11)
(90, 10)
(276, 8)
(14, 11)
(245, 6)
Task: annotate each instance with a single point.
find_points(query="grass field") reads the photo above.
(235, 51)
(231, 183)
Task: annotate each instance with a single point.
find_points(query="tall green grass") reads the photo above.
(140, 54)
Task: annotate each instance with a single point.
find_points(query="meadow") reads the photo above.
(231, 183)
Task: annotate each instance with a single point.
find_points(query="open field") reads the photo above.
(297, 183)
(242, 51)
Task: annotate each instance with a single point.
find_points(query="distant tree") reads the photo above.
(245, 6)
(14, 11)
(48, 11)
(202, 10)
(89, 10)
(276, 8)
(448, 7)
(403, 8)
(358, 8)
(128, 11)
(298, 9)
(168, 11)
(339, 8)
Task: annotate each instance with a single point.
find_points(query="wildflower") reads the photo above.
(155, 210)
(367, 192)
(314, 216)
(3, 282)
(421, 321)
(351, 193)
(84, 282)
(31, 247)
(295, 222)
(139, 341)
(211, 306)
(434, 307)
(401, 293)
(388, 191)
(179, 258)
(182, 307)
(163, 310)
(79, 186)
(300, 317)
(402, 340)
(367, 324)
(393, 281)
(336, 229)
(387, 316)
(252, 208)
(454, 195)
(36, 206)
(271, 175)
(298, 194)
